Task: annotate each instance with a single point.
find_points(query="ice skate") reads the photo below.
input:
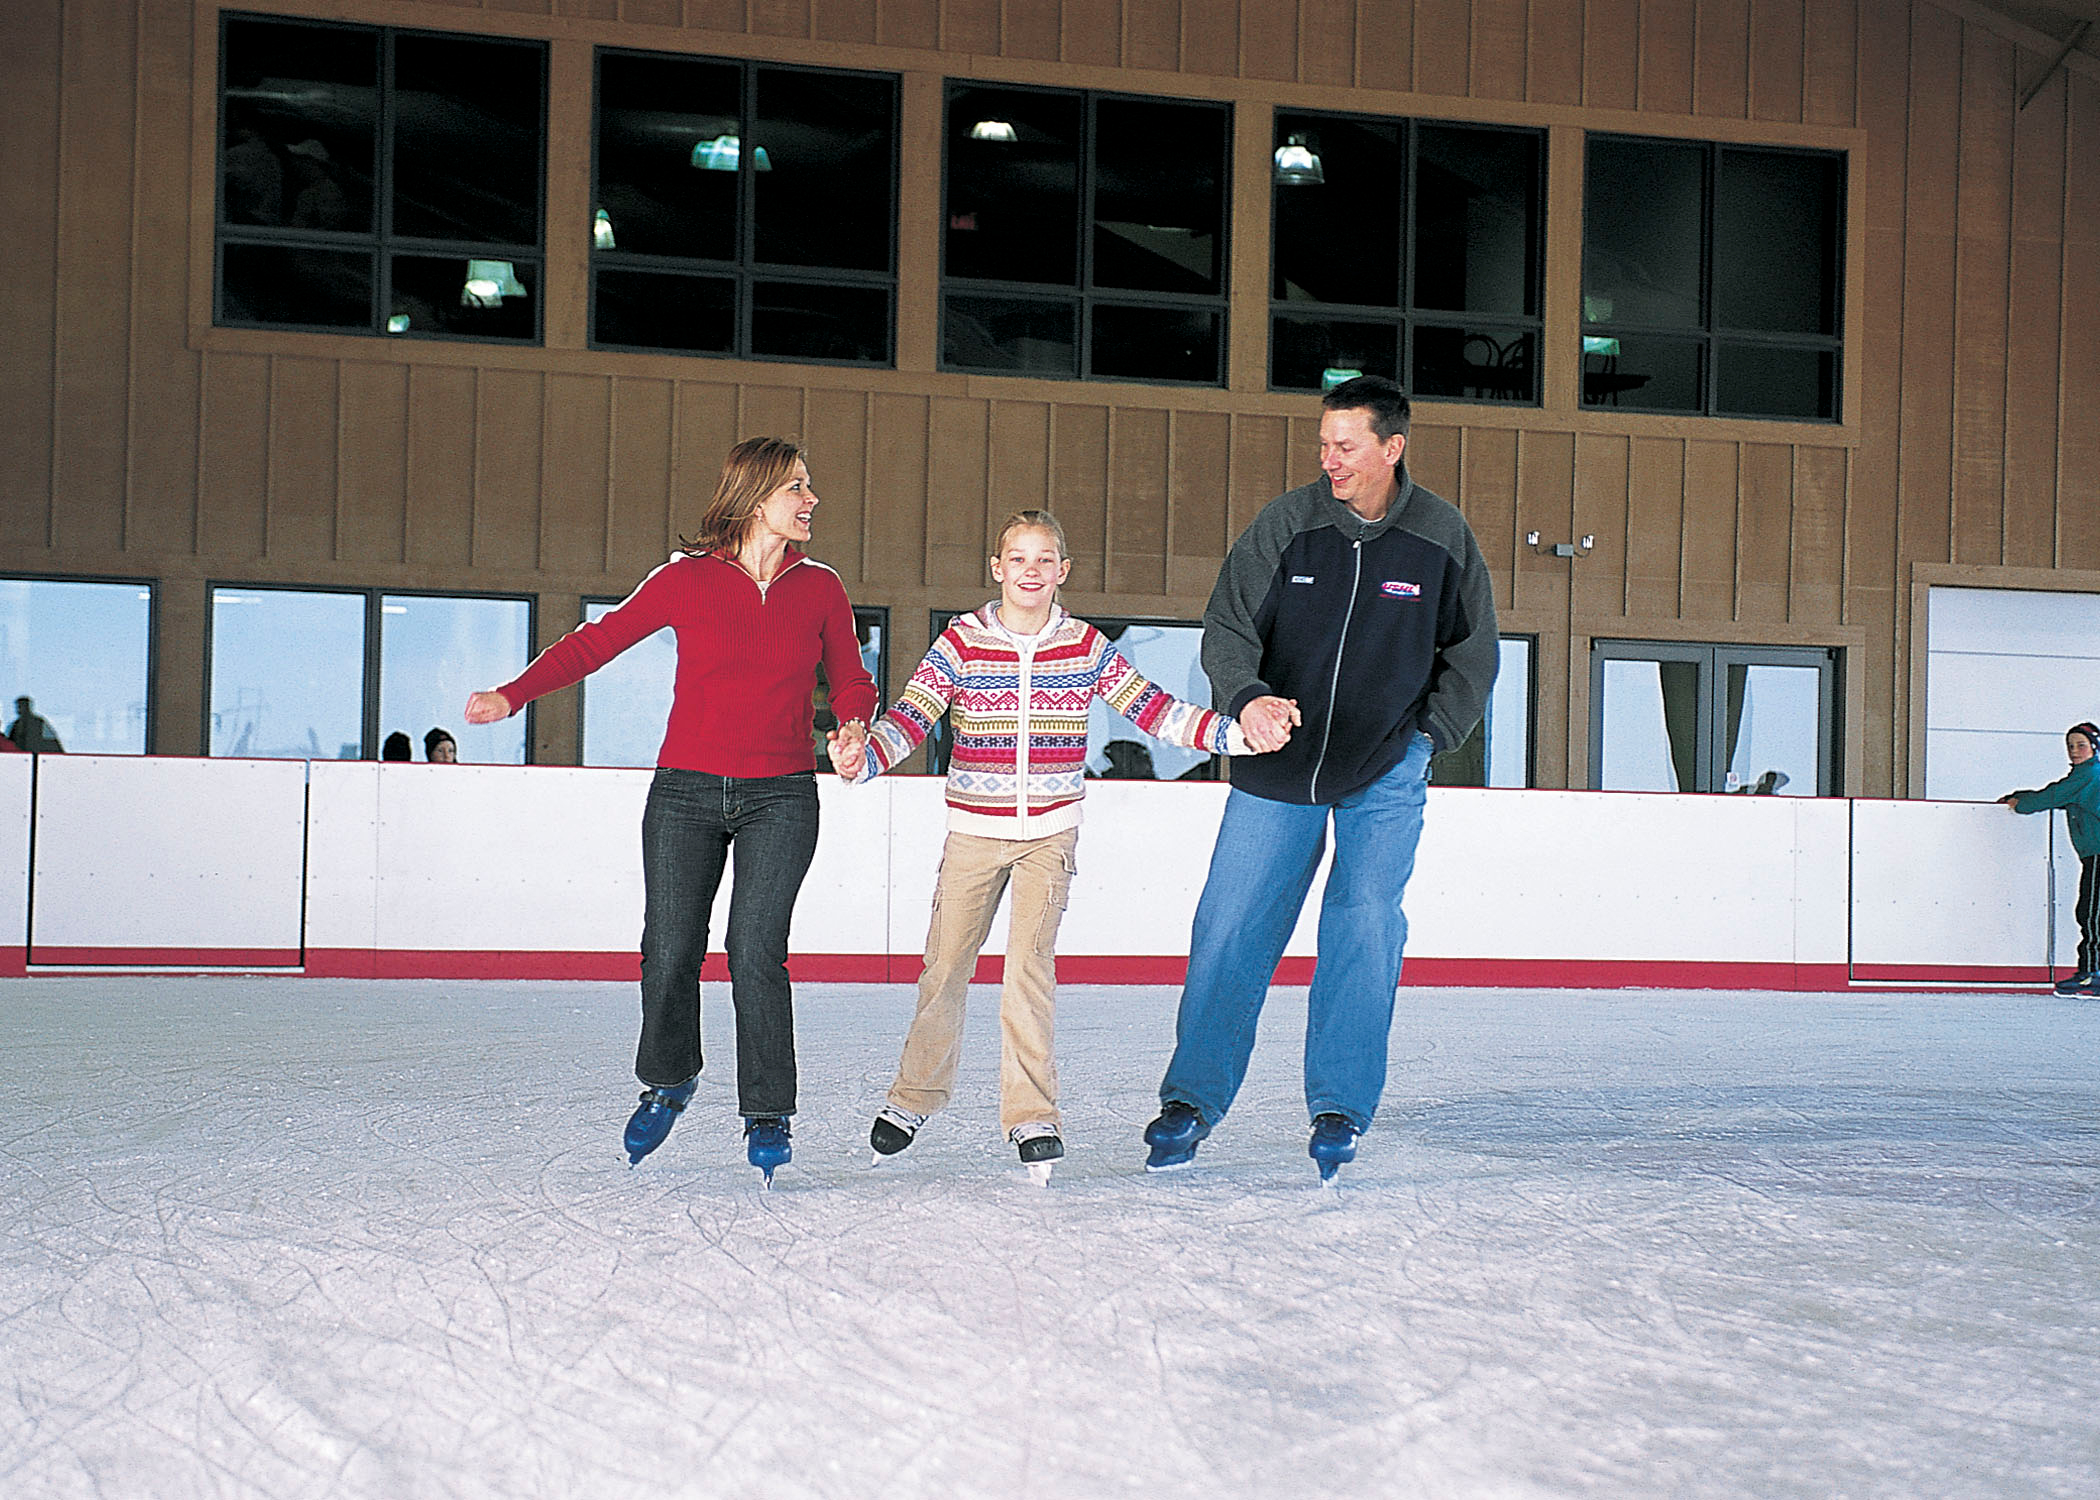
(1333, 1143)
(893, 1130)
(1174, 1136)
(766, 1144)
(2075, 984)
(654, 1117)
(1040, 1146)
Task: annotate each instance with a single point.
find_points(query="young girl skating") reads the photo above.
(1018, 676)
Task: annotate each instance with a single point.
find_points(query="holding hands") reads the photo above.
(847, 746)
(487, 708)
(1267, 723)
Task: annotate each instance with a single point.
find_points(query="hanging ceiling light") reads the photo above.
(992, 130)
(489, 282)
(601, 231)
(1297, 165)
(720, 155)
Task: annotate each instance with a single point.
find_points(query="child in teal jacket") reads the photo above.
(2078, 794)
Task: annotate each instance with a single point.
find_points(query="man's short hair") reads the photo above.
(1382, 398)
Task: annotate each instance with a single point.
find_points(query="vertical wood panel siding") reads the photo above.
(140, 444)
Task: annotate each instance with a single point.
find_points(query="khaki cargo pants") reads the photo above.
(974, 874)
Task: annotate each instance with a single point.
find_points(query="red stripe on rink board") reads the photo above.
(1077, 968)
(162, 958)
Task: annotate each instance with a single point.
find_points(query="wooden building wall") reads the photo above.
(139, 441)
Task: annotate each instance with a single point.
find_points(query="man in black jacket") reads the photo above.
(1357, 612)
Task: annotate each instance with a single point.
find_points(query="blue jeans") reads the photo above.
(1263, 865)
(690, 827)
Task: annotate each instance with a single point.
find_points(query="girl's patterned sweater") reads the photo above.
(1018, 769)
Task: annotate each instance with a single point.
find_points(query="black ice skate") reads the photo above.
(1040, 1146)
(893, 1130)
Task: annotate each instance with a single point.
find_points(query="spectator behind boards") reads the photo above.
(398, 746)
(2077, 792)
(32, 734)
(440, 749)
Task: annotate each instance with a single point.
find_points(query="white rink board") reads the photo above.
(160, 854)
(15, 772)
(1628, 876)
(1949, 883)
(544, 859)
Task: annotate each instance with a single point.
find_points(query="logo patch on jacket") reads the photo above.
(1301, 578)
(1394, 588)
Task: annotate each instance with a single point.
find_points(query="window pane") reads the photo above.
(1159, 196)
(1775, 241)
(1117, 749)
(1499, 366)
(1010, 335)
(1362, 178)
(2006, 670)
(1157, 343)
(1476, 220)
(1498, 751)
(287, 674)
(1644, 372)
(478, 299)
(790, 320)
(627, 702)
(823, 196)
(649, 310)
(1643, 217)
(1773, 729)
(289, 285)
(872, 625)
(667, 183)
(301, 115)
(1308, 354)
(1650, 726)
(77, 653)
(1013, 185)
(466, 139)
(1509, 717)
(1760, 381)
(433, 652)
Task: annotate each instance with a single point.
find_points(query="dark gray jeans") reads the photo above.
(694, 821)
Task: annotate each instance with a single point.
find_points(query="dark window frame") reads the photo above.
(1403, 315)
(368, 681)
(382, 244)
(1709, 334)
(1712, 657)
(1083, 297)
(746, 268)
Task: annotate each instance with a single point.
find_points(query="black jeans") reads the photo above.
(690, 827)
(2088, 913)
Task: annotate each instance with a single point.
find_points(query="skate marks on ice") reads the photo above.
(299, 1238)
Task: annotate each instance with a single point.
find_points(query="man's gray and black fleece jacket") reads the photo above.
(1377, 628)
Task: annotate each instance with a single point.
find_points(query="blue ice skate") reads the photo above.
(2079, 984)
(766, 1143)
(654, 1117)
(1333, 1143)
(1174, 1136)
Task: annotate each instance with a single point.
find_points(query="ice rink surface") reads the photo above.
(269, 1237)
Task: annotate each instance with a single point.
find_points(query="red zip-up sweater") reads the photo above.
(747, 660)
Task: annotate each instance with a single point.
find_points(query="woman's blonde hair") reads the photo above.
(754, 469)
(1031, 520)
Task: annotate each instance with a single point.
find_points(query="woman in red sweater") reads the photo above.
(754, 617)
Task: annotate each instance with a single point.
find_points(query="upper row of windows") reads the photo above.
(388, 181)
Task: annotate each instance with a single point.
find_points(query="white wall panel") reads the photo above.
(1948, 883)
(845, 901)
(1143, 852)
(176, 860)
